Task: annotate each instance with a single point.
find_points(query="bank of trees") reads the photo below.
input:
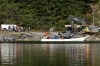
(42, 14)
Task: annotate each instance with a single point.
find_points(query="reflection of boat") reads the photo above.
(71, 39)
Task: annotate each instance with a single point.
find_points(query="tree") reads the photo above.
(8, 12)
(41, 14)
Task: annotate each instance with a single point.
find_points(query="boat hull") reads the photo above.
(60, 40)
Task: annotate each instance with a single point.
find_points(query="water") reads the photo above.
(49, 54)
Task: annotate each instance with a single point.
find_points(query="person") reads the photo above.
(16, 28)
(21, 29)
(29, 29)
(13, 28)
(9, 27)
(46, 33)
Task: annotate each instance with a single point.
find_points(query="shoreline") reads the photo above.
(33, 36)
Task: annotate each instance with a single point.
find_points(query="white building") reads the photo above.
(8, 26)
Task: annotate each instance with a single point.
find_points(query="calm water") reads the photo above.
(49, 54)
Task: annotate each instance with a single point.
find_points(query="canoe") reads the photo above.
(60, 39)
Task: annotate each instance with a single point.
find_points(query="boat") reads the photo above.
(65, 40)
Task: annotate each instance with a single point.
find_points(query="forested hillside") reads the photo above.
(43, 14)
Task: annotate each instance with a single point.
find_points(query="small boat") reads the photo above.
(60, 39)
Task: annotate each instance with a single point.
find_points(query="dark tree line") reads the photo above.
(42, 14)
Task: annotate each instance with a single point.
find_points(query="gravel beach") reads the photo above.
(33, 36)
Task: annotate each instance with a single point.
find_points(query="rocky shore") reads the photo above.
(33, 36)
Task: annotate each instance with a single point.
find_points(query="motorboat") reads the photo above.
(65, 40)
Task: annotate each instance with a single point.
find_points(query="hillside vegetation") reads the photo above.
(43, 14)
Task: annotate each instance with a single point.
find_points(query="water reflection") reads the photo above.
(49, 54)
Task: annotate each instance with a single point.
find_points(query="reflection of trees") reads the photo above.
(77, 55)
(50, 54)
(7, 53)
(95, 55)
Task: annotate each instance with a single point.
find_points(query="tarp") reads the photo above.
(76, 20)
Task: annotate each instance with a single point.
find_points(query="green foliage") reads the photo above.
(41, 14)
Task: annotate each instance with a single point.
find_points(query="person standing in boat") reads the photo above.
(46, 34)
